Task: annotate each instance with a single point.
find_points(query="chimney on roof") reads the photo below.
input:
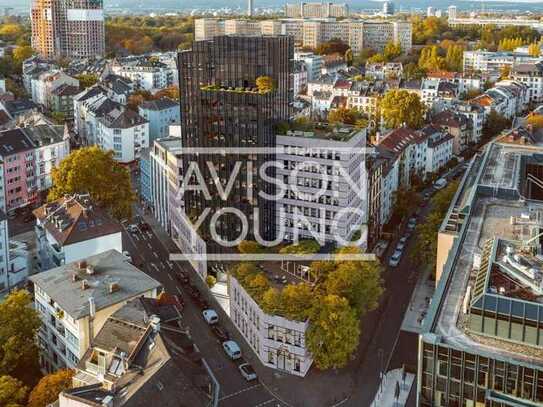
(75, 277)
(92, 307)
(82, 264)
(84, 284)
(90, 269)
(113, 287)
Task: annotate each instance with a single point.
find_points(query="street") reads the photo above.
(151, 256)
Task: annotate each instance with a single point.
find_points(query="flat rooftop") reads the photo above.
(324, 131)
(492, 216)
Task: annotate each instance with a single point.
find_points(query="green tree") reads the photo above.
(250, 247)
(343, 115)
(49, 387)
(454, 58)
(95, 171)
(401, 107)
(357, 281)
(376, 59)
(58, 117)
(12, 392)
(430, 59)
(20, 54)
(211, 281)
(405, 202)
(296, 300)
(392, 50)
(19, 324)
(425, 250)
(349, 57)
(495, 123)
(505, 71)
(333, 333)
(534, 49)
(264, 84)
(333, 46)
(86, 80)
(412, 71)
(363, 56)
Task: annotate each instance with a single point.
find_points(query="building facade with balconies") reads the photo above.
(75, 300)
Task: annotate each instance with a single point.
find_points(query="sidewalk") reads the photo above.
(391, 383)
(419, 304)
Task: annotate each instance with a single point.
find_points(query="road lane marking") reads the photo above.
(239, 392)
(155, 254)
(170, 276)
(265, 402)
(179, 290)
(149, 245)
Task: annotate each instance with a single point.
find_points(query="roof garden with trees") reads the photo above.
(332, 297)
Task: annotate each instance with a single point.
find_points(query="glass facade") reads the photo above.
(453, 378)
(221, 108)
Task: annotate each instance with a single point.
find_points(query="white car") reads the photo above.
(412, 223)
(400, 246)
(132, 228)
(210, 316)
(440, 183)
(232, 349)
(403, 239)
(395, 258)
(247, 371)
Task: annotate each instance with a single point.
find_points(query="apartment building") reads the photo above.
(382, 71)
(507, 98)
(75, 300)
(419, 152)
(482, 336)
(278, 342)
(316, 10)
(320, 201)
(165, 159)
(71, 29)
(491, 63)
(72, 228)
(312, 32)
(51, 146)
(148, 333)
(43, 86)
(160, 114)
(125, 132)
(146, 73)
(530, 74)
(312, 62)
(458, 126)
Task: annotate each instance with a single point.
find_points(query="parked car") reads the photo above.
(29, 217)
(193, 291)
(395, 258)
(232, 349)
(221, 334)
(247, 371)
(144, 227)
(440, 183)
(412, 223)
(201, 302)
(403, 239)
(182, 277)
(210, 316)
(400, 246)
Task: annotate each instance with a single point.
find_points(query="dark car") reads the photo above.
(221, 334)
(194, 292)
(29, 218)
(144, 227)
(182, 277)
(201, 302)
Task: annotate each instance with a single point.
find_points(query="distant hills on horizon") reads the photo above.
(157, 5)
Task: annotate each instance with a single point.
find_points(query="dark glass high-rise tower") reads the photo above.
(222, 107)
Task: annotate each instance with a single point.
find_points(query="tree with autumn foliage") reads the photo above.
(49, 387)
(400, 107)
(19, 324)
(94, 171)
(12, 392)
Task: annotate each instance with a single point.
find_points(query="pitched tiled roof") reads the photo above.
(399, 139)
(74, 219)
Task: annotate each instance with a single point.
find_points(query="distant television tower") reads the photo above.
(249, 8)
